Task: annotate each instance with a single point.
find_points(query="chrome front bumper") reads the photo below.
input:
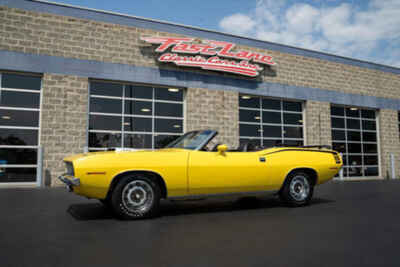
(69, 181)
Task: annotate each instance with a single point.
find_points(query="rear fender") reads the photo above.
(310, 171)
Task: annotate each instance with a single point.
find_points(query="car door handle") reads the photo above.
(262, 159)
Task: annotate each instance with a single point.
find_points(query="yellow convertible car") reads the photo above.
(133, 182)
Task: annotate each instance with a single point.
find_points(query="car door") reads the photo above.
(228, 172)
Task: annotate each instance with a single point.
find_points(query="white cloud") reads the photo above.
(369, 32)
(302, 18)
(237, 23)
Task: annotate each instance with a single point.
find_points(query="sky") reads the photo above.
(363, 29)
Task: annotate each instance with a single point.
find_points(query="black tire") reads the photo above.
(297, 190)
(136, 197)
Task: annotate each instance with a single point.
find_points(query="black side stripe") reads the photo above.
(283, 150)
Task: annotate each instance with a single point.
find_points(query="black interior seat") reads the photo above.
(215, 148)
(251, 147)
(248, 146)
(242, 147)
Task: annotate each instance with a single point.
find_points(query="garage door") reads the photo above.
(19, 128)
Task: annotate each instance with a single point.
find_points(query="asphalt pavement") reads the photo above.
(347, 224)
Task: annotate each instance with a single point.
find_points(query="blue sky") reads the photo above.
(363, 29)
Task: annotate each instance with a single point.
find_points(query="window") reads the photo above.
(354, 134)
(19, 127)
(133, 116)
(268, 122)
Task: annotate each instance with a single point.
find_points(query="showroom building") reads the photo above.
(74, 80)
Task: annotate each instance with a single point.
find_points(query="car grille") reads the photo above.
(70, 168)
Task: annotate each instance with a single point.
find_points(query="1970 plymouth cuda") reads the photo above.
(133, 182)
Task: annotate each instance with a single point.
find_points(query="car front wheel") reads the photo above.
(136, 197)
(297, 190)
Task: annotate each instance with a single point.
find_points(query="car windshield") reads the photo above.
(193, 140)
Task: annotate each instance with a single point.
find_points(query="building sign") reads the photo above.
(209, 55)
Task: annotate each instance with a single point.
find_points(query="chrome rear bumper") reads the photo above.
(69, 181)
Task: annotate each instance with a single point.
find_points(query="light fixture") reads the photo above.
(177, 126)
(260, 130)
(127, 123)
(353, 108)
(246, 97)
(173, 90)
(145, 110)
(256, 117)
(301, 121)
(5, 117)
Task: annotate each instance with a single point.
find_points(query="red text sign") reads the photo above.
(207, 55)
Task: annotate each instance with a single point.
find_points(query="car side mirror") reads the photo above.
(222, 148)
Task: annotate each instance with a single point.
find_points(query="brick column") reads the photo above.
(63, 121)
(318, 123)
(389, 141)
(216, 110)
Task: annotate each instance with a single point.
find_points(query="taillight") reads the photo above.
(337, 158)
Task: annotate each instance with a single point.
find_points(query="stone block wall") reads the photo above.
(318, 123)
(71, 37)
(64, 118)
(216, 110)
(389, 141)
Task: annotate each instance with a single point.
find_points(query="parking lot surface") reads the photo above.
(347, 224)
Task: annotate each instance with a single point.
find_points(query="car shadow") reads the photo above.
(90, 211)
(97, 211)
(241, 204)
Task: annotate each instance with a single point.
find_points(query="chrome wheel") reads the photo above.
(299, 188)
(137, 196)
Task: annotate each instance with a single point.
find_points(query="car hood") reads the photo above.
(117, 153)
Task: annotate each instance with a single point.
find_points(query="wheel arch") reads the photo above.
(310, 171)
(150, 174)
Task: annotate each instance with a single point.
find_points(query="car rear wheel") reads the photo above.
(136, 197)
(298, 189)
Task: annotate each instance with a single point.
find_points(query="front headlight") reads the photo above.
(70, 168)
